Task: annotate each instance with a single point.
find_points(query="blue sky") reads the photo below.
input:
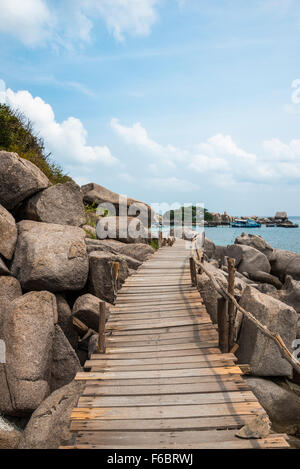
(163, 100)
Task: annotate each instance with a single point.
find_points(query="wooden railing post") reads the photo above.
(223, 325)
(231, 307)
(101, 332)
(160, 239)
(193, 272)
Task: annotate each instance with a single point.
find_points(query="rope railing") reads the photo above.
(228, 295)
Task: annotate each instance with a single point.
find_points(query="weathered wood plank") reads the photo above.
(271, 442)
(164, 353)
(176, 411)
(229, 370)
(161, 360)
(192, 424)
(137, 390)
(165, 400)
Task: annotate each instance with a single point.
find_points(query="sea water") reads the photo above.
(279, 238)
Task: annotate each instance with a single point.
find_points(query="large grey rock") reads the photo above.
(65, 363)
(124, 229)
(257, 350)
(4, 270)
(9, 435)
(65, 320)
(209, 248)
(282, 405)
(258, 427)
(8, 233)
(139, 251)
(51, 257)
(248, 259)
(117, 204)
(93, 345)
(257, 242)
(48, 427)
(61, 204)
(87, 308)
(10, 289)
(28, 331)
(290, 293)
(263, 277)
(286, 263)
(19, 179)
(101, 282)
(100, 246)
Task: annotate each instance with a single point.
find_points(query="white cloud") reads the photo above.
(134, 17)
(67, 140)
(35, 21)
(171, 183)
(168, 155)
(27, 20)
(219, 158)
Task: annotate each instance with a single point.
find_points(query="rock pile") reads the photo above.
(52, 274)
(267, 284)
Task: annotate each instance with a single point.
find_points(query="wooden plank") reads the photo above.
(163, 336)
(155, 308)
(162, 348)
(111, 361)
(166, 353)
(161, 381)
(271, 442)
(161, 412)
(200, 387)
(167, 400)
(168, 366)
(164, 330)
(200, 424)
(114, 317)
(162, 341)
(158, 439)
(143, 324)
(214, 371)
(160, 361)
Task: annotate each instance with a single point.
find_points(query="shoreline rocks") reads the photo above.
(19, 179)
(50, 257)
(62, 202)
(50, 274)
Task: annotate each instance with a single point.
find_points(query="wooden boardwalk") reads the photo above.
(163, 382)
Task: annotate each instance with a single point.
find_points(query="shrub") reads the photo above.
(17, 135)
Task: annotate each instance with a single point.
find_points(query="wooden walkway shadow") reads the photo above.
(163, 382)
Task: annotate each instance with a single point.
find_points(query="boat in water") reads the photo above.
(249, 223)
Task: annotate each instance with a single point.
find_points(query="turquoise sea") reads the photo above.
(280, 238)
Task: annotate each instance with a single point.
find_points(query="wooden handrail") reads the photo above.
(276, 338)
(101, 332)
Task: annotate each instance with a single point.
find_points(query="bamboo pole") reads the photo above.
(193, 272)
(231, 307)
(276, 338)
(101, 332)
